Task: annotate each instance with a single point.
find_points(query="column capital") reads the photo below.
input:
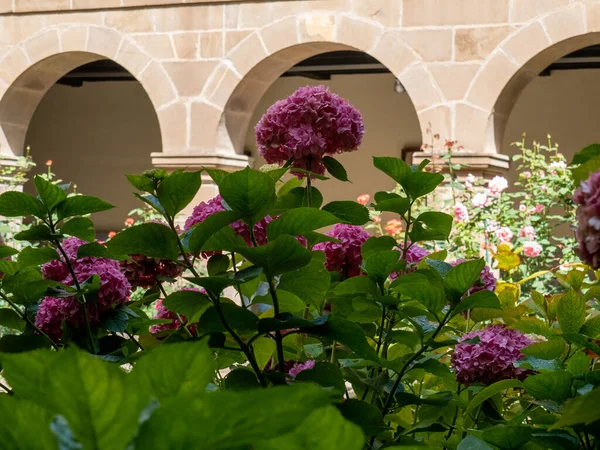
(482, 164)
(225, 161)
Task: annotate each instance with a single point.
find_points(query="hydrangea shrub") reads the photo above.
(271, 321)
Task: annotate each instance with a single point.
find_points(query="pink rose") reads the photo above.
(479, 200)
(539, 208)
(461, 214)
(469, 181)
(527, 232)
(526, 174)
(522, 207)
(363, 199)
(497, 185)
(504, 234)
(543, 187)
(532, 249)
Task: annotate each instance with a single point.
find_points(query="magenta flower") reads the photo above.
(300, 367)
(486, 282)
(492, 359)
(587, 196)
(309, 124)
(414, 255)
(345, 256)
(114, 290)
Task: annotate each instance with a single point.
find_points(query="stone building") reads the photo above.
(106, 87)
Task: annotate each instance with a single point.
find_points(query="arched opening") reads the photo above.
(92, 119)
(392, 125)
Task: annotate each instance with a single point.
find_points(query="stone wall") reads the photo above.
(206, 65)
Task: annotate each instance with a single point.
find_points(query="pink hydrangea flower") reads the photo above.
(461, 213)
(532, 249)
(479, 200)
(363, 199)
(492, 359)
(587, 196)
(144, 272)
(300, 367)
(312, 122)
(504, 234)
(344, 257)
(115, 289)
(527, 231)
(487, 280)
(497, 185)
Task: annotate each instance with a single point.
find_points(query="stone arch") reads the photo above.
(30, 69)
(517, 61)
(236, 86)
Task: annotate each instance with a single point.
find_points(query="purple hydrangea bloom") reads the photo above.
(587, 196)
(492, 359)
(163, 313)
(300, 367)
(344, 257)
(114, 289)
(312, 122)
(414, 255)
(486, 282)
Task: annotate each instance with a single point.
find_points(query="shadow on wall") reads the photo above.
(94, 135)
(390, 119)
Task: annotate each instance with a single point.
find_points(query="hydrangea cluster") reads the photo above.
(311, 123)
(414, 255)
(163, 313)
(587, 196)
(214, 205)
(144, 272)
(114, 290)
(345, 256)
(492, 359)
(487, 280)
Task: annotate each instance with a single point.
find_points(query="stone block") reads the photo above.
(73, 39)
(42, 46)
(431, 45)
(204, 121)
(315, 27)
(525, 10)
(187, 45)
(454, 79)
(158, 46)
(103, 42)
(233, 38)
(40, 5)
(133, 21)
(157, 84)
(565, 24)
(527, 42)
(418, 13)
(278, 35)
(491, 80)
(173, 125)
(132, 58)
(189, 18)
(472, 44)
(386, 12)
(189, 77)
(244, 57)
(211, 44)
(357, 33)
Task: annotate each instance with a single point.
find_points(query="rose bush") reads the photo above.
(292, 337)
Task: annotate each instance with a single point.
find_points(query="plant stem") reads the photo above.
(381, 328)
(132, 337)
(332, 359)
(308, 184)
(237, 287)
(278, 336)
(26, 319)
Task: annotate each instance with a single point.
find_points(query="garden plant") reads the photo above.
(246, 326)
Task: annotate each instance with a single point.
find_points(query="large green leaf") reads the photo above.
(490, 391)
(230, 419)
(181, 370)
(100, 403)
(419, 184)
(348, 212)
(583, 409)
(325, 374)
(548, 350)
(424, 286)
(381, 264)
(550, 386)
(249, 192)
(141, 182)
(191, 304)
(363, 414)
(237, 318)
(177, 190)
(507, 437)
(335, 168)
(587, 161)
(81, 205)
(395, 204)
(10, 319)
(50, 194)
(473, 443)
(310, 283)
(431, 225)
(202, 232)
(36, 233)
(150, 239)
(25, 425)
(377, 244)
(571, 311)
(281, 255)
(80, 227)
(31, 256)
(481, 299)
(296, 222)
(18, 204)
(461, 278)
(395, 168)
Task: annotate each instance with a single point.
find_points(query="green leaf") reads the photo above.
(356, 285)
(149, 239)
(419, 184)
(31, 256)
(151, 200)
(64, 434)
(490, 391)
(177, 191)
(217, 264)
(249, 192)
(583, 409)
(81, 205)
(431, 226)
(591, 328)
(395, 204)
(481, 299)
(245, 418)
(571, 311)
(240, 379)
(10, 319)
(287, 321)
(99, 251)
(100, 403)
(298, 198)
(326, 375)
(263, 350)
(200, 234)
(310, 283)
(24, 425)
(50, 194)
(582, 341)
(288, 302)
(18, 204)
(217, 175)
(555, 440)
(191, 304)
(80, 227)
(215, 285)
(12, 343)
(380, 265)
(550, 386)
(548, 350)
(507, 437)
(348, 212)
(6, 251)
(335, 168)
(181, 370)
(395, 168)
(461, 278)
(587, 153)
(424, 286)
(238, 318)
(377, 244)
(281, 255)
(296, 222)
(35, 233)
(473, 443)
(363, 414)
(141, 182)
